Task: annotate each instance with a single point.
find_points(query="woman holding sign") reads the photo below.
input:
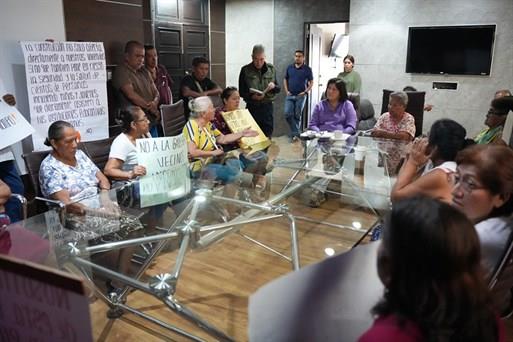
(256, 162)
(122, 164)
(203, 144)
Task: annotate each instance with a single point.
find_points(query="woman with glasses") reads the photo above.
(67, 174)
(429, 168)
(122, 164)
(256, 162)
(434, 289)
(483, 191)
(336, 112)
(204, 143)
(496, 119)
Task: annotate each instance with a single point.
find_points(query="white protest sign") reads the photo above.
(41, 304)
(67, 81)
(13, 126)
(167, 169)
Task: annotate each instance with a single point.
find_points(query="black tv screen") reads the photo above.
(457, 50)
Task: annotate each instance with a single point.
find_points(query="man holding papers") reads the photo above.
(258, 87)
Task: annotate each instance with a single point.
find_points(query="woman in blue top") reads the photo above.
(336, 112)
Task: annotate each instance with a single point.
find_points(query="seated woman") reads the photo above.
(256, 162)
(203, 141)
(435, 290)
(483, 191)
(5, 194)
(436, 156)
(396, 123)
(336, 112)
(495, 120)
(67, 174)
(122, 164)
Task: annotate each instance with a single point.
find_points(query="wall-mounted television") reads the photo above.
(457, 50)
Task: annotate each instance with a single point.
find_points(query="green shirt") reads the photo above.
(352, 80)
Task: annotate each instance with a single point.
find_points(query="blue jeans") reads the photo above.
(228, 172)
(294, 106)
(10, 176)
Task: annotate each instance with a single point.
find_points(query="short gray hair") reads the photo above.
(401, 96)
(199, 105)
(258, 49)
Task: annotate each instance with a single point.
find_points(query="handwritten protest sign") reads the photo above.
(13, 126)
(167, 170)
(41, 304)
(241, 119)
(67, 81)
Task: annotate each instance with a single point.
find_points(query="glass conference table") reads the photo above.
(111, 241)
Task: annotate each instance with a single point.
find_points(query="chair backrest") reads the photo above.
(32, 163)
(415, 106)
(355, 100)
(216, 101)
(98, 151)
(501, 281)
(173, 119)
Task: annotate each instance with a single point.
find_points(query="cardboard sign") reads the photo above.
(240, 119)
(167, 169)
(13, 126)
(67, 81)
(41, 304)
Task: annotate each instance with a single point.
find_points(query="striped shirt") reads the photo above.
(204, 139)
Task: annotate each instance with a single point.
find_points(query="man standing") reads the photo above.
(136, 85)
(159, 74)
(297, 83)
(258, 87)
(8, 171)
(198, 84)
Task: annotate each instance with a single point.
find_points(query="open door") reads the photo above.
(314, 61)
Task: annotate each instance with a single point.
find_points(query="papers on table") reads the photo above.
(324, 134)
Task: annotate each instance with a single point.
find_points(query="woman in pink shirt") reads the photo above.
(434, 284)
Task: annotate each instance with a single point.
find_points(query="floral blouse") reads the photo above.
(79, 180)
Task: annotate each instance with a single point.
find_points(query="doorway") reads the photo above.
(326, 45)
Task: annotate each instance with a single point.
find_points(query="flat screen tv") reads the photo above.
(457, 50)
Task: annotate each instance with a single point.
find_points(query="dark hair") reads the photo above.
(148, 47)
(299, 51)
(448, 137)
(494, 166)
(409, 88)
(127, 116)
(131, 45)
(437, 283)
(350, 57)
(196, 61)
(503, 105)
(55, 131)
(227, 92)
(341, 86)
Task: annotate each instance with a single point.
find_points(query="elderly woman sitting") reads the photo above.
(203, 144)
(396, 123)
(67, 174)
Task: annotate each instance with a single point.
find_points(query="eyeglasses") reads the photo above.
(466, 183)
(145, 118)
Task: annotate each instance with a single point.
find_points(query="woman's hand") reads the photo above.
(217, 152)
(248, 132)
(418, 152)
(138, 170)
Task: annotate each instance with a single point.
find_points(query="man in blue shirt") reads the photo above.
(297, 83)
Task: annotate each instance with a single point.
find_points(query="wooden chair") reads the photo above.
(173, 119)
(501, 282)
(415, 106)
